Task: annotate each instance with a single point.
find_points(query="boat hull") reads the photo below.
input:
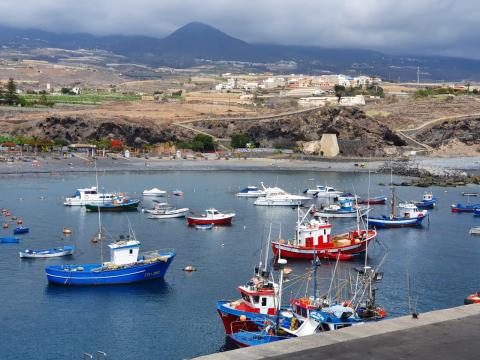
(132, 206)
(173, 214)
(394, 223)
(231, 316)
(272, 202)
(33, 254)
(373, 201)
(347, 252)
(65, 274)
(21, 230)
(342, 214)
(205, 221)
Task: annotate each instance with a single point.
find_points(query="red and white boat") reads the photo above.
(211, 216)
(313, 236)
(259, 302)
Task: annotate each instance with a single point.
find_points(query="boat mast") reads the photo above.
(394, 198)
(99, 220)
(266, 248)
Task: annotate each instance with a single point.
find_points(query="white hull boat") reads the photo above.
(343, 214)
(168, 214)
(154, 192)
(321, 191)
(475, 230)
(279, 197)
(47, 253)
(251, 192)
(88, 196)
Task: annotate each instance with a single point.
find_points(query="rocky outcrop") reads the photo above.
(466, 131)
(365, 136)
(77, 129)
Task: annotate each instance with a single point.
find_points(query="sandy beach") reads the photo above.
(49, 164)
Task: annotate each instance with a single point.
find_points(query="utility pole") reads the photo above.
(418, 75)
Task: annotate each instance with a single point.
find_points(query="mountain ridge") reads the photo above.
(197, 42)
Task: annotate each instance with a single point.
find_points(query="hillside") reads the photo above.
(197, 44)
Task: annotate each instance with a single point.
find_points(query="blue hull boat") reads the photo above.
(253, 338)
(426, 204)
(387, 222)
(21, 230)
(95, 274)
(9, 240)
(476, 212)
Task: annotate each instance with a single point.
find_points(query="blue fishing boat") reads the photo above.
(457, 208)
(409, 215)
(21, 230)
(126, 266)
(9, 240)
(244, 337)
(48, 253)
(476, 212)
(344, 209)
(428, 201)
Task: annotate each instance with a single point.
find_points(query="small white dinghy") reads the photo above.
(154, 192)
(48, 253)
(475, 230)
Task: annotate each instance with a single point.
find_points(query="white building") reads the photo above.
(344, 80)
(314, 101)
(274, 82)
(362, 80)
(223, 87)
(250, 86)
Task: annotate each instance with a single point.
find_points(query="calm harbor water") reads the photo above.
(176, 318)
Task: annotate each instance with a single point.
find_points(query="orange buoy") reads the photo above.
(5, 225)
(67, 231)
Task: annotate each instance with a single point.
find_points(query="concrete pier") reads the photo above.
(440, 335)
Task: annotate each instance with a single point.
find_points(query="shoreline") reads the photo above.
(82, 165)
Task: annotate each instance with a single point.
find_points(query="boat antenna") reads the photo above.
(99, 219)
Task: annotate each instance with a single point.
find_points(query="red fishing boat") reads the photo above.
(211, 216)
(259, 301)
(313, 237)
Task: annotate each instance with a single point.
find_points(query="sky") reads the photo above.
(427, 27)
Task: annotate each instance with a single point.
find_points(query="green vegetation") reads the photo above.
(86, 98)
(200, 142)
(239, 141)
(424, 93)
(371, 90)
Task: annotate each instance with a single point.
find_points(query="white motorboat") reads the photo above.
(154, 192)
(169, 214)
(321, 191)
(165, 211)
(475, 230)
(47, 253)
(345, 209)
(90, 195)
(279, 197)
(251, 192)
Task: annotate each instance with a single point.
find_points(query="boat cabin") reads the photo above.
(124, 252)
(346, 205)
(314, 233)
(301, 307)
(260, 295)
(409, 210)
(427, 196)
